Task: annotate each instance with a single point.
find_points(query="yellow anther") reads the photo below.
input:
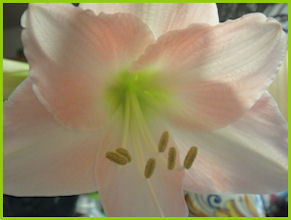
(163, 141)
(116, 158)
(124, 153)
(149, 168)
(189, 159)
(172, 158)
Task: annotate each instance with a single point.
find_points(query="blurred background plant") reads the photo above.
(89, 204)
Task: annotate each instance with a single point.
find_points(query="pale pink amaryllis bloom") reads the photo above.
(108, 76)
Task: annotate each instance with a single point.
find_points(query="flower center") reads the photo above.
(137, 98)
(148, 88)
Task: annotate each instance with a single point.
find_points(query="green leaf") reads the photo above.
(94, 195)
(14, 72)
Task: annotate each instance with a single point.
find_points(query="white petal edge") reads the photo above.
(279, 88)
(162, 17)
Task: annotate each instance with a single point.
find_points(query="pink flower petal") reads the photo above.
(124, 190)
(71, 51)
(279, 88)
(41, 157)
(219, 71)
(162, 17)
(248, 156)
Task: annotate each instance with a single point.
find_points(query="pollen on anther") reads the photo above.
(116, 158)
(172, 158)
(149, 168)
(163, 141)
(189, 159)
(124, 152)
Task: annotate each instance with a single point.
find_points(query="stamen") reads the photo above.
(163, 141)
(189, 159)
(116, 158)
(149, 168)
(172, 158)
(124, 153)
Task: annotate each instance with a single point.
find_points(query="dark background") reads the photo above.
(65, 205)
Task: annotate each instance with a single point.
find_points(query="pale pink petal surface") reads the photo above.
(41, 157)
(162, 17)
(72, 52)
(248, 156)
(219, 72)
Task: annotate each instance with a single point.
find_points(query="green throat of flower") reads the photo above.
(145, 90)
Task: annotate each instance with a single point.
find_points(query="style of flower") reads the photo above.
(121, 97)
